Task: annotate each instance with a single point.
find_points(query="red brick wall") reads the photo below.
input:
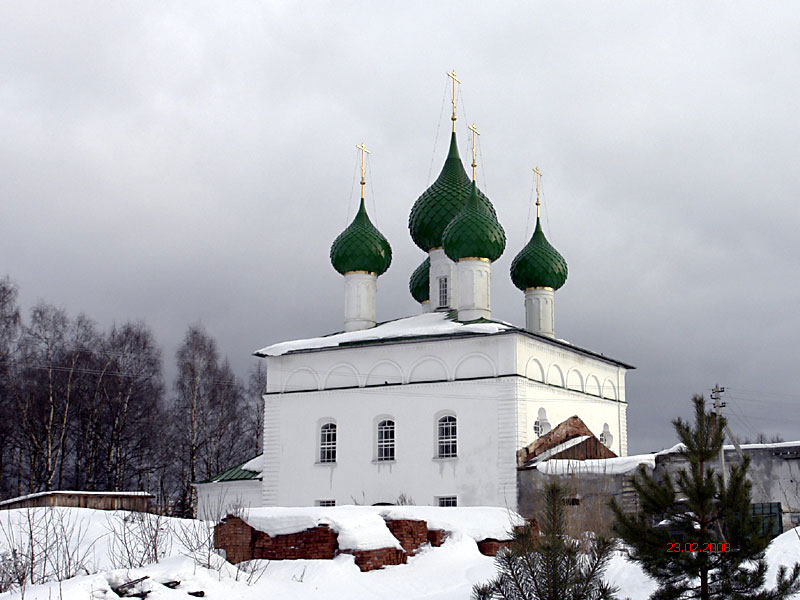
(436, 537)
(369, 560)
(319, 542)
(410, 533)
(235, 537)
(489, 547)
(242, 542)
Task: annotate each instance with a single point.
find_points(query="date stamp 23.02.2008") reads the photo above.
(698, 547)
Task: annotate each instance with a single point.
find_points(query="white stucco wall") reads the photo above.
(493, 384)
(566, 383)
(481, 474)
(217, 499)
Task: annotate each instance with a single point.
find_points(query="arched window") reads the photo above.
(447, 437)
(386, 440)
(606, 438)
(541, 425)
(327, 443)
(443, 292)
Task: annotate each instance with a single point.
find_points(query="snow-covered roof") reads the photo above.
(432, 325)
(71, 493)
(364, 527)
(769, 446)
(598, 466)
(250, 469)
(558, 448)
(428, 324)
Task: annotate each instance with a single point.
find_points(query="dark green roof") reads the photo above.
(236, 473)
(361, 247)
(419, 284)
(442, 201)
(474, 232)
(538, 264)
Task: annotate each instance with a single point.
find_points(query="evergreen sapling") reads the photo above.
(695, 534)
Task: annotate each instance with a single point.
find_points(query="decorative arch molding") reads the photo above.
(429, 368)
(534, 370)
(301, 379)
(575, 380)
(475, 364)
(385, 371)
(609, 390)
(555, 375)
(340, 376)
(593, 386)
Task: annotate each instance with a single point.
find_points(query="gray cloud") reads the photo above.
(193, 160)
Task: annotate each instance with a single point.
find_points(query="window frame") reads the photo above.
(325, 503)
(327, 443)
(444, 292)
(447, 437)
(447, 501)
(385, 447)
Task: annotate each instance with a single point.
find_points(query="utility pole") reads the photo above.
(716, 396)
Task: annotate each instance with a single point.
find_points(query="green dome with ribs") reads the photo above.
(361, 247)
(442, 201)
(418, 284)
(474, 232)
(538, 264)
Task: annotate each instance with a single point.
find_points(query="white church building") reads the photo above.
(432, 407)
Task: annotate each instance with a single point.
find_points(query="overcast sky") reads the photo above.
(193, 161)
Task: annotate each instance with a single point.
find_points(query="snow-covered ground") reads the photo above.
(447, 572)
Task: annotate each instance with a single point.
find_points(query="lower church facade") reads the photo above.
(426, 410)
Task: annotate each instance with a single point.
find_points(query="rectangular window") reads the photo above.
(443, 292)
(448, 437)
(447, 501)
(327, 443)
(771, 516)
(386, 440)
(326, 502)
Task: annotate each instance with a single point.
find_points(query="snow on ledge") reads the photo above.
(435, 323)
(364, 527)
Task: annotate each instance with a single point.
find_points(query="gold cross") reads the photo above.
(475, 133)
(363, 148)
(452, 75)
(538, 175)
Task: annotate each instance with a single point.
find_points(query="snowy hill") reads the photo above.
(101, 541)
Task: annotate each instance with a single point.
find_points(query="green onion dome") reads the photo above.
(441, 202)
(538, 264)
(474, 232)
(361, 247)
(418, 284)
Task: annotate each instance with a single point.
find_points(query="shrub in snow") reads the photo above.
(138, 539)
(38, 545)
(550, 566)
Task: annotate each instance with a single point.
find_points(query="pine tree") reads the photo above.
(695, 510)
(550, 566)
